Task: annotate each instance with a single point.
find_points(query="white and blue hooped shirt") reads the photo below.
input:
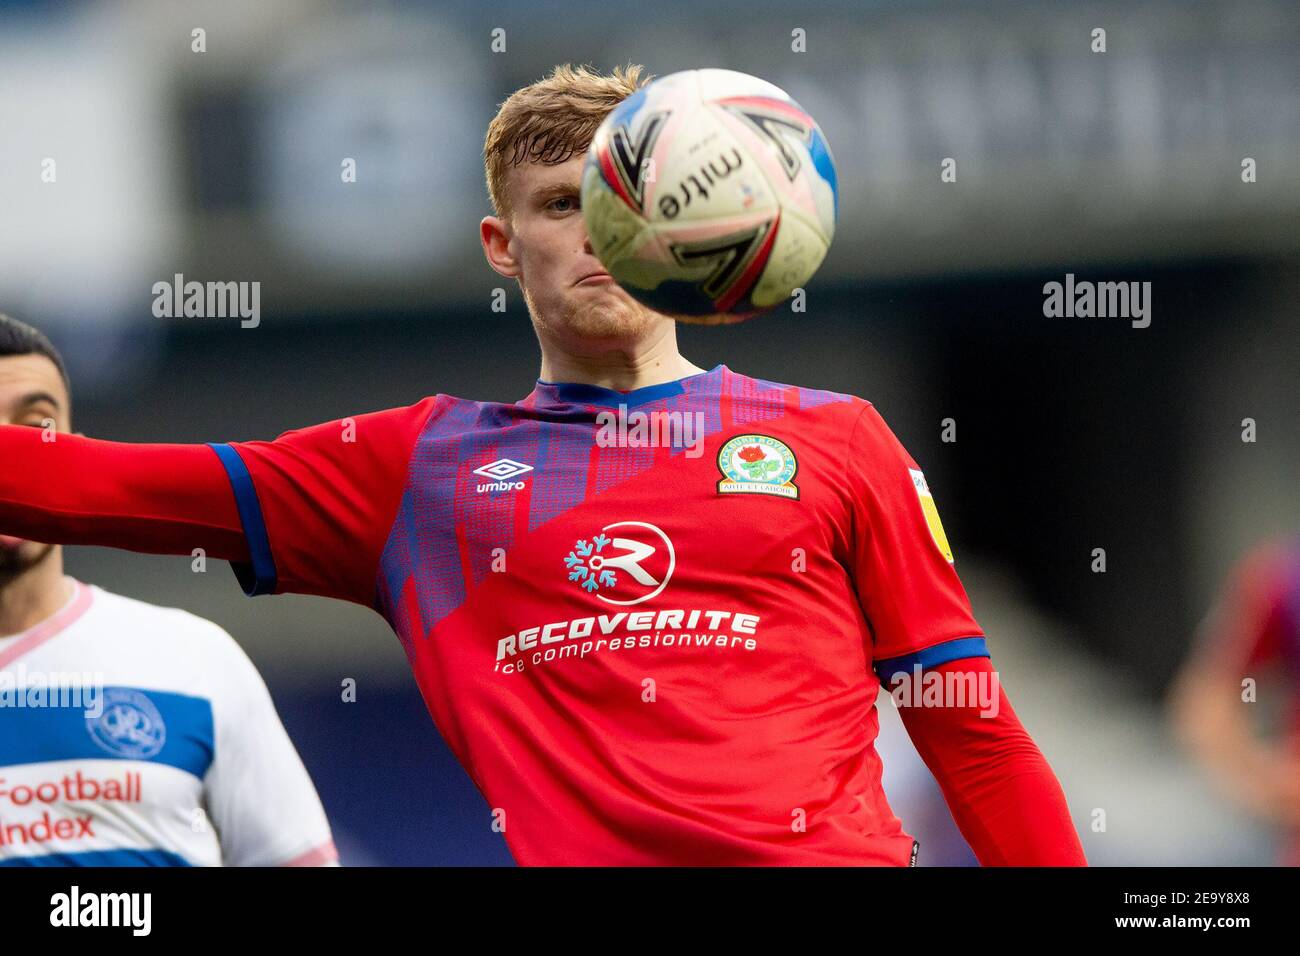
(138, 735)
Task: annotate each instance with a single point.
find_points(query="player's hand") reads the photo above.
(1272, 790)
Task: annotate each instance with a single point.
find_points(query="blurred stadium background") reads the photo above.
(1072, 434)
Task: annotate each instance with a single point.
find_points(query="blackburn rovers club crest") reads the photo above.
(130, 725)
(757, 464)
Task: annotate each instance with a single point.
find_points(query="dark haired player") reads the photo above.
(130, 735)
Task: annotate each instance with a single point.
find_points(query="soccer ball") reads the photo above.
(710, 195)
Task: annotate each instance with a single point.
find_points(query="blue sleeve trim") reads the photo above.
(99, 858)
(953, 650)
(258, 576)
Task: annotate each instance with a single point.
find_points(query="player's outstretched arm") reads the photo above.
(1003, 795)
(159, 499)
(308, 513)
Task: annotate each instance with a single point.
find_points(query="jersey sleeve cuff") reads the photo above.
(954, 650)
(323, 855)
(258, 575)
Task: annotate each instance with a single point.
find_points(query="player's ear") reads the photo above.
(495, 234)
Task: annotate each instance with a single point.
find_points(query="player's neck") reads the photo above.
(622, 371)
(36, 594)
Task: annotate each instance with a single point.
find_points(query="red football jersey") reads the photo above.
(650, 623)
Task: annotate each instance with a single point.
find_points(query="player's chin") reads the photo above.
(616, 319)
(15, 560)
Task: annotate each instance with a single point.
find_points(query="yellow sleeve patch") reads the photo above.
(931, 511)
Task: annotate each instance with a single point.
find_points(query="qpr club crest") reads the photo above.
(757, 464)
(130, 725)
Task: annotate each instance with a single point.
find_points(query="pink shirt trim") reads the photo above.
(52, 626)
(319, 856)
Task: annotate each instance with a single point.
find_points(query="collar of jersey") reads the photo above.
(577, 393)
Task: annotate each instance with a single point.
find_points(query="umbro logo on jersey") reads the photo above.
(503, 469)
(501, 472)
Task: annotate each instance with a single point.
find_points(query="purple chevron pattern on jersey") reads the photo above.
(448, 531)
